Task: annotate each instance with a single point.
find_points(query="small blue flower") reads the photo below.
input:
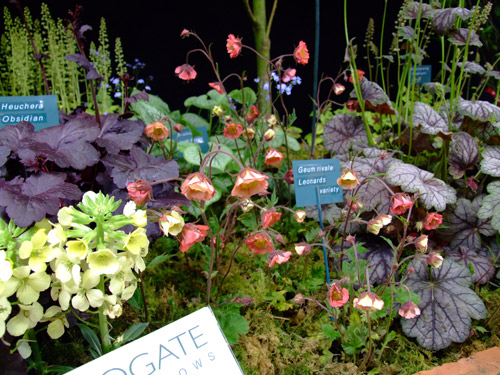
(296, 80)
(256, 80)
(266, 86)
(275, 77)
(115, 81)
(147, 88)
(118, 94)
(140, 81)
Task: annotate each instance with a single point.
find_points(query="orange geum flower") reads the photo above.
(249, 182)
(232, 130)
(140, 192)
(191, 234)
(337, 296)
(273, 157)
(157, 131)
(252, 114)
(288, 74)
(260, 243)
(269, 218)
(400, 203)
(338, 88)
(368, 301)
(198, 187)
(433, 220)
(279, 257)
(348, 179)
(217, 87)
(186, 72)
(360, 76)
(301, 54)
(233, 46)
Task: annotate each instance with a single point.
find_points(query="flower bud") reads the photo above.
(269, 135)
(218, 111)
(299, 215)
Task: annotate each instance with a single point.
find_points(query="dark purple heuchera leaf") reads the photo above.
(484, 269)
(67, 145)
(343, 133)
(375, 98)
(142, 95)
(117, 135)
(447, 305)
(412, 10)
(139, 165)
(4, 154)
(373, 194)
(463, 154)
(165, 196)
(428, 119)
(490, 206)
(459, 37)
(406, 32)
(479, 110)
(462, 227)
(444, 19)
(472, 67)
(379, 257)
(432, 191)
(82, 61)
(491, 161)
(29, 200)
(12, 135)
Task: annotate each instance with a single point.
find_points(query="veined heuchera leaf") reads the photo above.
(463, 154)
(430, 121)
(472, 67)
(460, 36)
(462, 227)
(139, 165)
(379, 257)
(406, 32)
(490, 207)
(413, 9)
(4, 154)
(117, 135)
(491, 161)
(375, 98)
(479, 110)
(432, 191)
(343, 133)
(67, 145)
(29, 200)
(444, 19)
(82, 61)
(447, 305)
(484, 269)
(12, 135)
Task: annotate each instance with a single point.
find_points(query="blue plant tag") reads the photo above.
(423, 74)
(187, 136)
(313, 176)
(40, 110)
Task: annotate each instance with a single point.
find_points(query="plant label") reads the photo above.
(193, 345)
(41, 110)
(313, 177)
(423, 74)
(187, 136)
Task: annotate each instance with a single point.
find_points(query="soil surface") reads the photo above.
(486, 362)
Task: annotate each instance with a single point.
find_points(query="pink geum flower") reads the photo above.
(302, 248)
(279, 257)
(217, 87)
(140, 192)
(360, 76)
(198, 187)
(421, 243)
(252, 114)
(288, 74)
(157, 131)
(348, 180)
(191, 234)
(178, 128)
(185, 33)
(378, 222)
(433, 220)
(337, 296)
(232, 130)
(301, 54)
(409, 310)
(260, 243)
(434, 260)
(186, 72)
(269, 218)
(338, 88)
(273, 157)
(249, 182)
(368, 301)
(233, 46)
(400, 203)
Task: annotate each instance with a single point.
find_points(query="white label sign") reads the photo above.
(193, 345)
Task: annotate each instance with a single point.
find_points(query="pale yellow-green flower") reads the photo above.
(139, 217)
(171, 223)
(36, 250)
(137, 241)
(77, 248)
(5, 310)
(5, 267)
(24, 348)
(67, 268)
(29, 285)
(87, 295)
(62, 292)
(103, 262)
(57, 235)
(123, 277)
(58, 321)
(64, 216)
(28, 317)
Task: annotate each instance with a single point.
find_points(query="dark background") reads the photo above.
(150, 32)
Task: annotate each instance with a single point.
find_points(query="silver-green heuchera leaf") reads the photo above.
(479, 110)
(343, 133)
(490, 207)
(447, 305)
(483, 267)
(432, 191)
(444, 19)
(463, 154)
(430, 121)
(462, 227)
(460, 37)
(491, 161)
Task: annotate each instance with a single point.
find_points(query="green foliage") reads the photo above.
(231, 322)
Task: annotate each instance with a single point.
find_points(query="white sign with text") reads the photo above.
(193, 345)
